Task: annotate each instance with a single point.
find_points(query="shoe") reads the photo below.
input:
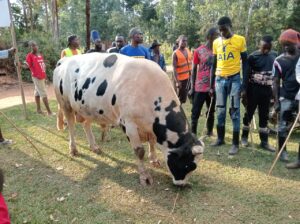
(244, 139)
(284, 156)
(6, 142)
(235, 143)
(294, 165)
(221, 134)
(264, 137)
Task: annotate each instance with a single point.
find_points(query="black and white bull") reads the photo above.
(112, 89)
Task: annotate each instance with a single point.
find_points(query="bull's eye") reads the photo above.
(186, 166)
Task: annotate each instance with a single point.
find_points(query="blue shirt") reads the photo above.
(161, 61)
(136, 52)
(3, 54)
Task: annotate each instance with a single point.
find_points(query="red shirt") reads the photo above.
(36, 65)
(203, 58)
(4, 216)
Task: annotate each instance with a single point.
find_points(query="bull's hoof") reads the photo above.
(96, 149)
(155, 163)
(74, 152)
(146, 179)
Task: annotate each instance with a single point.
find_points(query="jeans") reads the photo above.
(228, 87)
(286, 109)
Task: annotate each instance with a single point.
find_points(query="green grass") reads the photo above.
(105, 189)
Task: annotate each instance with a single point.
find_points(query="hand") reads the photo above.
(178, 84)
(12, 50)
(243, 95)
(191, 93)
(276, 106)
(211, 92)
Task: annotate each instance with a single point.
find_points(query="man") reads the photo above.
(120, 42)
(200, 82)
(73, 47)
(284, 72)
(4, 54)
(95, 37)
(135, 49)
(296, 164)
(182, 66)
(258, 87)
(228, 50)
(156, 56)
(35, 62)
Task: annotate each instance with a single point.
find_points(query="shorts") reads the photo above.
(39, 87)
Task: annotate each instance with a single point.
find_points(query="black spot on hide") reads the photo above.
(113, 100)
(101, 89)
(110, 60)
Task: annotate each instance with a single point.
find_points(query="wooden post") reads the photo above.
(13, 35)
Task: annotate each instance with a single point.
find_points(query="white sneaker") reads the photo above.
(6, 142)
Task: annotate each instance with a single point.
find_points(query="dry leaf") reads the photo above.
(129, 191)
(194, 219)
(159, 222)
(31, 169)
(69, 194)
(167, 189)
(59, 168)
(290, 217)
(53, 219)
(60, 199)
(74, 220)
(18, 165)
(12, 196)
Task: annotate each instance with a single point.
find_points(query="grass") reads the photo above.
(56, 188)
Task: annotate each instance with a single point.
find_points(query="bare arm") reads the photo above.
(174, 67)
(213, 72)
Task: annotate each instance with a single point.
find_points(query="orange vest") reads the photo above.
(184, 65)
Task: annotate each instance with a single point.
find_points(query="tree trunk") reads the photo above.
(47, 15)
(54, 14)
(252, 3)
(87, 20)
(25, 14)
(30, 8)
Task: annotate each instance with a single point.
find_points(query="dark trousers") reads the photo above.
(183, 91)
(258, 96)
(199, 99)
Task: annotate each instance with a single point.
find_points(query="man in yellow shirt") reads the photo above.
(228, 52)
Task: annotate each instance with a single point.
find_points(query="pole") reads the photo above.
(17, 62)
(284, 144)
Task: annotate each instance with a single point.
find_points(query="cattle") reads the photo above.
(113, 89)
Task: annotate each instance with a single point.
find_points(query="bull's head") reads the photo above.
(183, 160)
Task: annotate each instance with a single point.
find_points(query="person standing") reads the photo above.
(182, 66)
(259, 91)
(135, 49)
(120, 42)
(35, 62)
(156, 56)
(97, 42)
(229, 51)
(4, 54)
(200, 82)
(296, 164)
(73, 47)
(284, 72)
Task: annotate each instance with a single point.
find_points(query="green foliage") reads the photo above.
(164, 20)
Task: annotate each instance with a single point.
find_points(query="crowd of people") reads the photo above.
(218, 70)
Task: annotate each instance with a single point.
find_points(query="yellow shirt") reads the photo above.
(228, 53)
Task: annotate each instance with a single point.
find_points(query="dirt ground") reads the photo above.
(10, 93)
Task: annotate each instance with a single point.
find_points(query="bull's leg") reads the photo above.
(90, 136)
(152, 154)
(105, 133)
(132, 133)
(70, 116)
(60, 118)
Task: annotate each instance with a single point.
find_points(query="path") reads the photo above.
(10, 94)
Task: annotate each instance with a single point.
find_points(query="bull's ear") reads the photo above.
(197, 149)
(178, 151)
